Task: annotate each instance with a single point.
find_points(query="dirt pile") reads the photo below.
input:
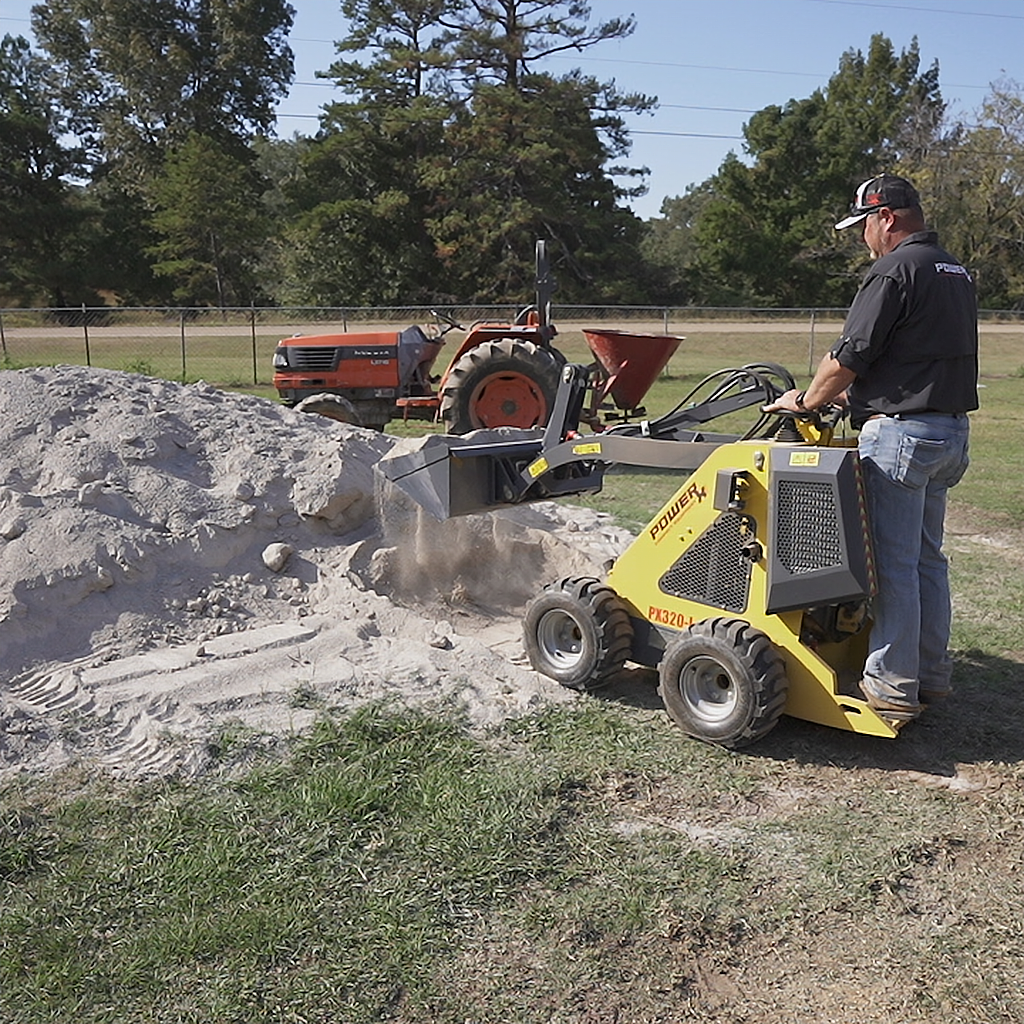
(178, 564)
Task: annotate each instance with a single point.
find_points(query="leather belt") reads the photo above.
(910, 415)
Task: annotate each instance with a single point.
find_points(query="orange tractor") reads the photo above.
(500, 375)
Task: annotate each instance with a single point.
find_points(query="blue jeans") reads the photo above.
(909, 464)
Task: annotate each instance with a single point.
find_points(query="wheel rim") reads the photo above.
(560, 639)
(708, 690)
(508, 400)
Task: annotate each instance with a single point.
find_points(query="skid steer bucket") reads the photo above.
(631, 362)
(456, 476)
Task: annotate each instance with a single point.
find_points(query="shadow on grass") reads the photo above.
(633, 687)
(979, 723)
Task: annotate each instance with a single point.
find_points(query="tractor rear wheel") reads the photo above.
(577, 632)
(503, 383)
(723, 682)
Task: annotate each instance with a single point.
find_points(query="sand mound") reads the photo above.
(178, 564)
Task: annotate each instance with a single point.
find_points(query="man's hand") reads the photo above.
(787, 402)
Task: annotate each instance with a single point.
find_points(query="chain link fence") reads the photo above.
(234, 347)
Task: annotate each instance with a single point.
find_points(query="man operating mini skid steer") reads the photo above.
(907, 362)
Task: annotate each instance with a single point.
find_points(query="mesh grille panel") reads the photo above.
(808, 527)
(713, 570)
(319, 357)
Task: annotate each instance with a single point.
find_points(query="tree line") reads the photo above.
(138, 165)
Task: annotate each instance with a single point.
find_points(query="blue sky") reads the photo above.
(712, 63)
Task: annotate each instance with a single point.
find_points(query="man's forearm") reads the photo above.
(830, 381)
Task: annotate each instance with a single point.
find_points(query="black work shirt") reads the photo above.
(911, 335)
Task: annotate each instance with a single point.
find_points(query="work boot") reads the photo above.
(889, 709)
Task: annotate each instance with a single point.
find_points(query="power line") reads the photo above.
(685, 135)
(690, 67)
(688, 106)
(745, 71)
(922, 10)
(661, 106)
(281, 115)
(576, 58)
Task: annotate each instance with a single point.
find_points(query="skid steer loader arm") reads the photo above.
(459, 475)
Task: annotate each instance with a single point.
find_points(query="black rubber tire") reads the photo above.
(344, 410)
(334, 407)
(486, 366)
(723, 682)
(577, 632)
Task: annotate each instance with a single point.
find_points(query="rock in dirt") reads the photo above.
(275, 556)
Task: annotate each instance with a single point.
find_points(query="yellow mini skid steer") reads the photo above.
(749, 591)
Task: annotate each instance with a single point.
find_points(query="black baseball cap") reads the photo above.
(884, 190)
